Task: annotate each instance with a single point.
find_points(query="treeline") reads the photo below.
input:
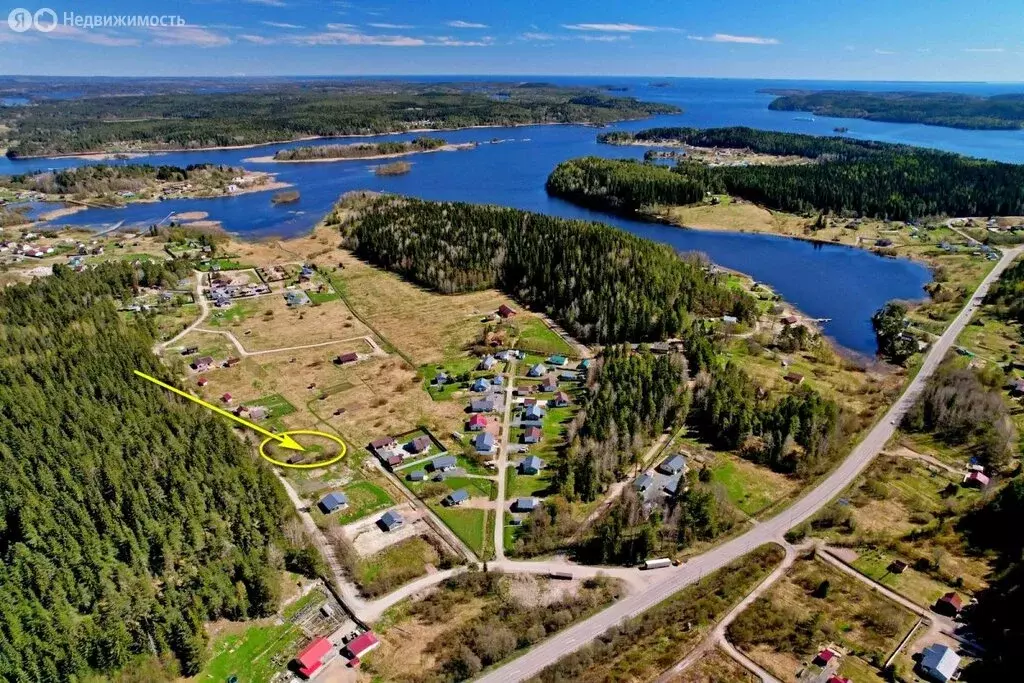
(104, 178)
(851, 177)
(127, 518)
(280, 112)
(633, 397)
(960, 409)
(1007, 294)
(359, 150)
(955, 110)
(602, 284)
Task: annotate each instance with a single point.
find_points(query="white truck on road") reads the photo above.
(657, 564)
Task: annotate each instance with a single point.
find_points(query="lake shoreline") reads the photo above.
(457, 147)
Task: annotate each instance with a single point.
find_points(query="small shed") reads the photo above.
(674, 465)
(643, 482)
(227, 398)
(417, 475)
(391, 520)
(949, 604)
(350, 357)
(457, 497)
(332, 501)
(527, 504)
(506, 311)
(202, 381)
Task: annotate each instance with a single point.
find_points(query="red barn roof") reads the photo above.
(362, 644)
(202, 381)
(478, 420)
(953, 600)
(505, 311)
(226, 398)
(825, 656)
(311, 657)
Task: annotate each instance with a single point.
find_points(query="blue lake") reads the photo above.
(510, 166)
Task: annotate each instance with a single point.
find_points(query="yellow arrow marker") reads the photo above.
(285, 440)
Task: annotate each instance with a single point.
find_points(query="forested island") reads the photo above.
(128, 518)
(848, 177)
(603, 284)
(196, 121)
(364, 150)
(953, 110)
(114, 185)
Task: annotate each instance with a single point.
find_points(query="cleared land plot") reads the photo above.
(533, 334)
(469, 524)
(750, 487)
(254, 654)
(715, 667)
(368, 538)
(364, 498)
(171, 321)
(396, 565)
(428, 326)
(521, 485)
(802, 613)
(911, 583)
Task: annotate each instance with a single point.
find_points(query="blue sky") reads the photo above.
(935, 40)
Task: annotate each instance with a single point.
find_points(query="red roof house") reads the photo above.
(311, 657)
(349, 357)
(361, 644)
(838, 679)
(477, 422)
(949, 604)
(505, 312)
(824, 657)
(226, 398)
(202, 381)
(976, 479)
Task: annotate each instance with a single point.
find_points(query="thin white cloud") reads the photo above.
(267, 3)
(448, 41)
(730, 38)
(617, 28)
(394, 27)
(280, 24)
(341, 27)
(984, 49)
(602, 39)
(355, 38)
(547, 37)
(196, 36)
(534, 35)
(458, 23)
(65, 32)
(879, 51)
(255, 39)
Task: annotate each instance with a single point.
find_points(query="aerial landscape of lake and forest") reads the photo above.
(352, 343)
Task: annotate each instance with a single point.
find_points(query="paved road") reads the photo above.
(674, 579)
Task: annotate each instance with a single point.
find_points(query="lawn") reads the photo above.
(521, 485)
(253, 656)
(239, 311)
(396, 565)
(912, 584)
(750, 488)
(276, 405)
(468, 524)
(534, 335)
(225, 263)
(312, 598)
(364, 498)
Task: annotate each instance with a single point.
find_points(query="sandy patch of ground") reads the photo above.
(532, 590)
(369, 539)
(190, 215)
(715, 667)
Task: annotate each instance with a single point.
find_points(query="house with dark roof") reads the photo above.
(794, 378)
(531, 435)
(506, 311)
(673, 466)
(643, 482)
(350, 357)
(476, 423)
(531, 464)
(203, 363)
(419, 445)
(533, 413)
(481, 405)
(949, 604)
(585, 364)
(558, 360)
(382, 442)
(560, 400)
(526, 504)
(549, 383)
(673, 486)
(417, 475)
(443, 463)
(484, 443)
(481, 384)
(457, 497)
(310, 658)
(332, 501)
(390, 520)
(824, 657)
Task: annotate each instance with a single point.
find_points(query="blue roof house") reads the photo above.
(533, 412)
(391, 520)
(531, 464)
(557, 360)
(331, 502)
(481, 384)
(457, 497)
(484, 443)
(537, 370)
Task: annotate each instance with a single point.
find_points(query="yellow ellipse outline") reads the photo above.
(309, 466)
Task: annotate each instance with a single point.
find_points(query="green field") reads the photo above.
(225, 263)
(364, 498)
(534, 335)
(253, 656)
(236, 313)
(520, 485)
(745, 489)
(313, 597)
(918, 587)
(322, 297)
(468, 524)
(276, 405)
(395, 565)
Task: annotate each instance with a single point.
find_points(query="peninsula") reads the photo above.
(362, 150)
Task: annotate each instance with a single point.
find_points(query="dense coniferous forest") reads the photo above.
(1007, 294)
(633, 397)
(103, 178)
(127, 518)
(850, 177)
(191, 121)
(358, 150)
(955, 110)
(603, 284)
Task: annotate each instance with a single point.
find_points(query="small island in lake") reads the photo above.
(364, 150)
(953, 110)
(840, 130)
(286, 197)
(394, 168)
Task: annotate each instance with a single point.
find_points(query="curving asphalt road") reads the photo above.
(670, 580)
